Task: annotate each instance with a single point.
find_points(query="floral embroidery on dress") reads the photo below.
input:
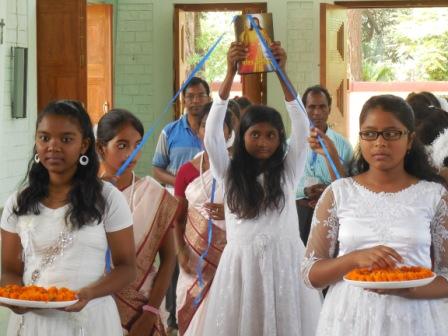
(330, 224)
(386, 207)
(439, 233)
(307, 263)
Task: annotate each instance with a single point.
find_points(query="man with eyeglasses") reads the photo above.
(178, 143)
(317, 176)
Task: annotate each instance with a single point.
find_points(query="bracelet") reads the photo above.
(151, 309)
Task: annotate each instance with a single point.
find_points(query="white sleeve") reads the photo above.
(9, 220)
(298, 146)
(323, 239)
(214, 141)
(118, 216)
(439, 236)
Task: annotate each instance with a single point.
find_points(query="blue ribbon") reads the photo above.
(156, 124)
(198, 299)
(314, 160)
(108, 260)
(291, 89)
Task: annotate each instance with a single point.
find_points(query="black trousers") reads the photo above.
(170, 299)
(305, 217)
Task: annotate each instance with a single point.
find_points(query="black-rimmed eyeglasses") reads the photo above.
(387, 135)
(191, 97)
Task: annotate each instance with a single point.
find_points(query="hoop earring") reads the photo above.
(84, 160)
(36, 158)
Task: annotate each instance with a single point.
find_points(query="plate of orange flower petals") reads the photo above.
(389, 278)
(37, 297)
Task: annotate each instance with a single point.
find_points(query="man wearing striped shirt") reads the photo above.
(317, 101)
(178, 143)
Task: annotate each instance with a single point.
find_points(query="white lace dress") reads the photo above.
(413, 221)
(258, 289)
(79, 260)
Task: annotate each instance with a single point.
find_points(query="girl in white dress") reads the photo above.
(257, 289)
(56, 229)
(395, 211)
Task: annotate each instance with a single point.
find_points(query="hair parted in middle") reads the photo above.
(247, 195)
(416, 161)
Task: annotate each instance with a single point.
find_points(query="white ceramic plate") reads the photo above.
(391, 284)
(36, 304)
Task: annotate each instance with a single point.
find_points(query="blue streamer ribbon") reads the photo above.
(291, 89)
(108, 261)
(156, 124)
(198, 299)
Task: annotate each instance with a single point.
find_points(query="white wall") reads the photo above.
(16, 135)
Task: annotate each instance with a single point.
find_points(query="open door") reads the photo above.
(254, 85)
(333, 62)
(99, 60)
(61, 51)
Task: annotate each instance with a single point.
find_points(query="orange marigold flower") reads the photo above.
(403, 273)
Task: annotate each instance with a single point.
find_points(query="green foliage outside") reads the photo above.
(213, 24)
(405, 44)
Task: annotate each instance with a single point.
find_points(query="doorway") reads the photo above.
(350, 73)
(188, 31)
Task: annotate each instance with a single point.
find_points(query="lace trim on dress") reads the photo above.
(307, 264)
(439, 233)
(331, 224)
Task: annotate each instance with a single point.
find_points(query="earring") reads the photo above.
(84, 160)
(36, 158)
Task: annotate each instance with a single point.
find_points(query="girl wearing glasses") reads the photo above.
(393, 212)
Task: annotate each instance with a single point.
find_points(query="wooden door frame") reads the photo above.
(208, 7)
(392, 4)
(221, 7)
(110, 13)
(365, 4)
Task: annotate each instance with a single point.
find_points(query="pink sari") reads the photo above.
(153, 210)
(190, 316)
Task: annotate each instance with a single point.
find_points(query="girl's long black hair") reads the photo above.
(87, 203)
(416, 161)
(247, 196)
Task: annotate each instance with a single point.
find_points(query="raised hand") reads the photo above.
(279, 54)
(316, 146)
(236, 53)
